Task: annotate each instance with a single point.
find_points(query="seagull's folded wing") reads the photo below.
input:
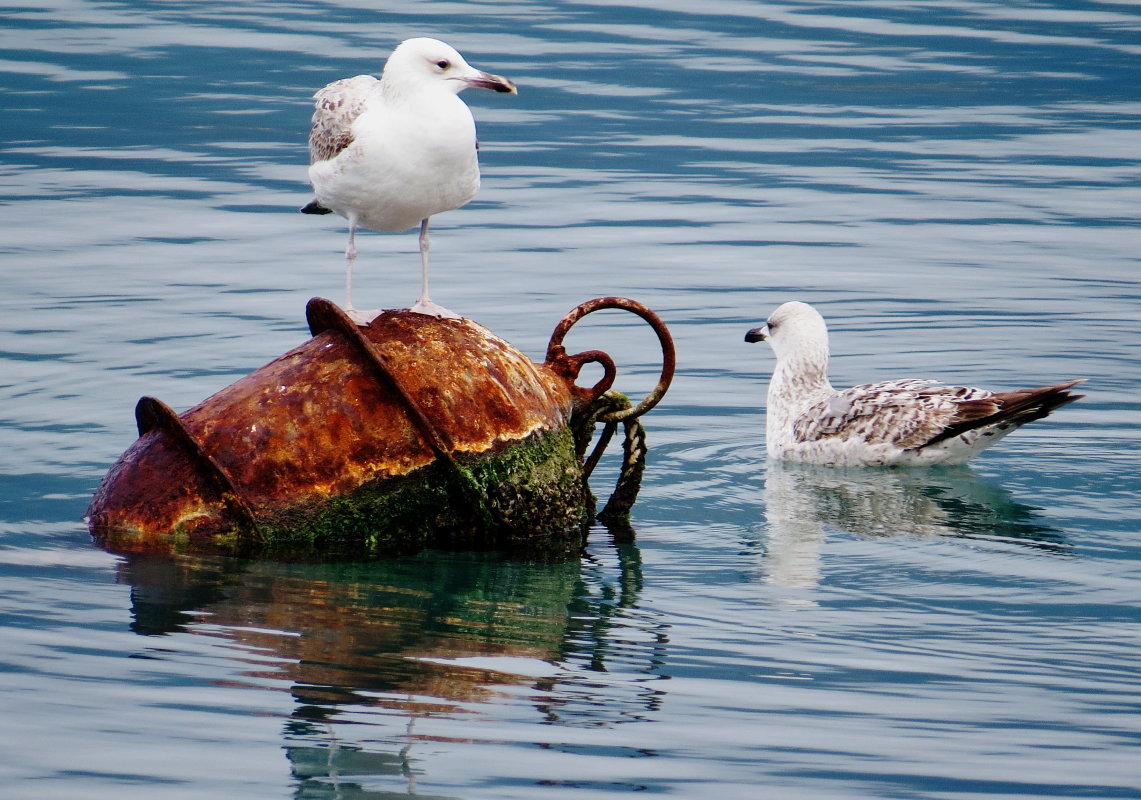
(905, 413)
(335, 108)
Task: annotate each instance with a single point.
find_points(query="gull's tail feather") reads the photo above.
(1010, 408)
(313, 207)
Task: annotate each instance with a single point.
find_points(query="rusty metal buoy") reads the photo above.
(407, 433)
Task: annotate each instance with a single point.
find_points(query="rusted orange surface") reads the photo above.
(320, 422)
(410, 432)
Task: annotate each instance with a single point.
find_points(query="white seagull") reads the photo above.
(389, 153)
(906, 422)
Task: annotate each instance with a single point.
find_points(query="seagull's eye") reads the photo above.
(443, 63)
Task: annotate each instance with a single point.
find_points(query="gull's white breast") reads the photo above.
(408, 160)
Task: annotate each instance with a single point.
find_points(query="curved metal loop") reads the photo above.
(556, 352)
(610, 372)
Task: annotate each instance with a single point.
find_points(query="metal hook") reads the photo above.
(570, 365)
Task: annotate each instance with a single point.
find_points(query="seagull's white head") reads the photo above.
(795, 331)
(419, 65)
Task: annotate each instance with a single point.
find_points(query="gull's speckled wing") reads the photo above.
(904, 413)
(336, 106)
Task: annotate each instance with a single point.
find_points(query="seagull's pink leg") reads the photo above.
(350, 260)
(424, 305)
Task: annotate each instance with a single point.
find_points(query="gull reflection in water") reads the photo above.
(803, 502)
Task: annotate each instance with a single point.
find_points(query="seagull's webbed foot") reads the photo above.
(433, 310)
(362, 318)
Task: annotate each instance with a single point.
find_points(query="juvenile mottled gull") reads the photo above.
(906, 422)
(388, 154)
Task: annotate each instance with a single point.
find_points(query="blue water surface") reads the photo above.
(955, 185)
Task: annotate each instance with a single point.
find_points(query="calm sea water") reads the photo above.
(956, 185)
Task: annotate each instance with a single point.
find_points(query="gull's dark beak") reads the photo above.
(485, 80)
(757, 334)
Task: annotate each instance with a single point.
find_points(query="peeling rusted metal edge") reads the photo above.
(325, 315)
(151, 414)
